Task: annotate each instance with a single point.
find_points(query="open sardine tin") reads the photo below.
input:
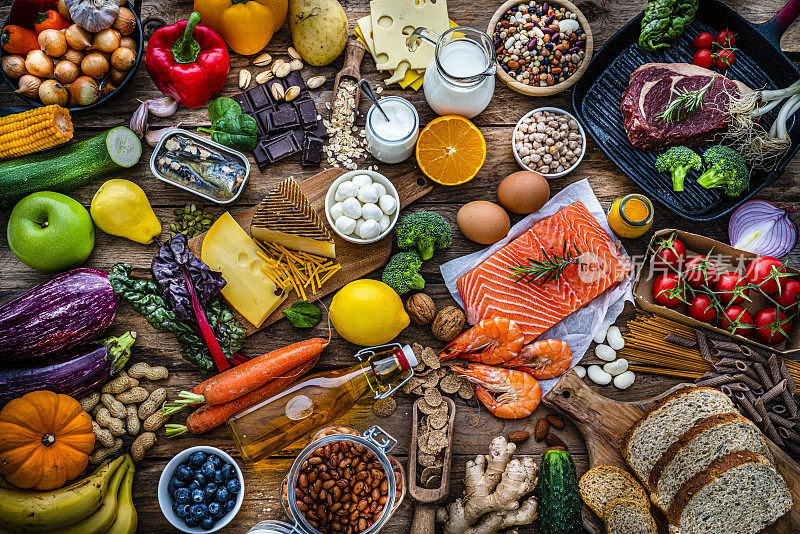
(201, 166)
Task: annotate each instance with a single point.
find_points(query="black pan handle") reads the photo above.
(774, 27)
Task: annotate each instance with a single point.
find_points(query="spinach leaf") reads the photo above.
(222, 106)
(231, 127)
(303, 314)
(664, 21)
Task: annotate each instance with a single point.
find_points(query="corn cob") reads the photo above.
(34, 130)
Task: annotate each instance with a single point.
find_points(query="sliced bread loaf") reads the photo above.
(604, 483)
(709, 439)
(739, 493)
(625, 516)
(652, 435)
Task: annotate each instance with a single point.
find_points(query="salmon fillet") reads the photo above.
(489, 290)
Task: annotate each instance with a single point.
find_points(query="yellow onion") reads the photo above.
(117, 76)
(53, 42)
(64, 10)
(84, 90)
(107, 89)
(66, 72)
(123, 59)
(14, 66)
(125, 23)
(94, 65)
(52, 92)
(39, 64)
(77, 37)
(29, 85)
(76, 56)
(128, 42)
(105, 41)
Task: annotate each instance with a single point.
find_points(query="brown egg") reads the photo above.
(483, 222)
(523, 192)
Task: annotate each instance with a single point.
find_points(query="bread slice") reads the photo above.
(604, 483)
(625, 516)
(652, 435)
(709, 439)
(739, 493)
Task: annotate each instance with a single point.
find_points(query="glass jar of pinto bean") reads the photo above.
(343, 483)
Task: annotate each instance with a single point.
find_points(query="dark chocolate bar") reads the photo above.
(307, 112)
(284, 119)
(312, 150)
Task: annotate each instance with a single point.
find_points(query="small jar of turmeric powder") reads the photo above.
(631, 215)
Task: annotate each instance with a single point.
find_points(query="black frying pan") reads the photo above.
(759, 63)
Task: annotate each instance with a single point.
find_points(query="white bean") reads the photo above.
(614, 338)
(604, 352)
(617, 367)
(600, 336)
(624, 380)
(580, 371)
(598, 376)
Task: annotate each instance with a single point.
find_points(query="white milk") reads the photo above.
(392, 141)
(448, 96)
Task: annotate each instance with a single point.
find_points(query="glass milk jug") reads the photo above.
(460, 77)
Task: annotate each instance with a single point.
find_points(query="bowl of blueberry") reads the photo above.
(200, 490)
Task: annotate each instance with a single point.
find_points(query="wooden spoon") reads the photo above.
(353, 55)
(425, 509)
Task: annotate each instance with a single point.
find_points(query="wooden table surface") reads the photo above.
(472, 432)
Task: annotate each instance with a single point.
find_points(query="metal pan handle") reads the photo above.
(774, 27)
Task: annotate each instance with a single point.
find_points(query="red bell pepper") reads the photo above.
(188, 62)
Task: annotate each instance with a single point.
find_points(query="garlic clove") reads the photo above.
(139, 119)
(154, 136)
(166, 106)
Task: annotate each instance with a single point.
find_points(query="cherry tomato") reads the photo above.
(764, 272)
(725, 38)
(700, 308)
(737, 320)
(700, 271)
(789, 295)
(668, 290)
(670, 252)
(703, 40)
(731, 288)
(703, 58)
(772, 326)
(724, 59)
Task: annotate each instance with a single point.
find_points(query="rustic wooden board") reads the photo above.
(356, 260)
(604, 424)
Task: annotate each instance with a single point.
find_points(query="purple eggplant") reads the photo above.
(70, 374)
(70, 309)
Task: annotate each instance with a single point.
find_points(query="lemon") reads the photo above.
(368, 313)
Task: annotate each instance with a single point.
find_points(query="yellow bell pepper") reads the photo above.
(246, 25)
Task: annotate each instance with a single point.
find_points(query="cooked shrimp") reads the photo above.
(519, 391)
(492, 341)
(544, 359)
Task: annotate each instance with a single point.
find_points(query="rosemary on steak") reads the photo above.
(547, 269)
(685, 102)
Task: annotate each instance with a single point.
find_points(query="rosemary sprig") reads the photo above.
(548, 269)
(686, 102)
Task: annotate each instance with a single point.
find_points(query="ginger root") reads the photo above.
(494, 485)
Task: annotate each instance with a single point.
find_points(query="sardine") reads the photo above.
(170, 165)
(186, 149)
(227, 176)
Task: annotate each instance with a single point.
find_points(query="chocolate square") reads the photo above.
(294, 78)
(298, 135)
(307, 112)
(264, 124)
(243, 102)
(259, 98)
(280, 146)
(319, 130)
(312, 151)
(283, 119)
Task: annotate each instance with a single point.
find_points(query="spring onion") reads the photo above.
(763, 228)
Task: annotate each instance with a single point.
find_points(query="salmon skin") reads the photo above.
(490, 289)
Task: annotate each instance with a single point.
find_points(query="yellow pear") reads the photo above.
(319, 29)
(121, 208)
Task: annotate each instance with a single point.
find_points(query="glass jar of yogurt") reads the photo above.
(392, 140)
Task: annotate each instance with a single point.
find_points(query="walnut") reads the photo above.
(420, 308)
(448, 323)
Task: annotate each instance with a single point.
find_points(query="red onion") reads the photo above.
(761, 227)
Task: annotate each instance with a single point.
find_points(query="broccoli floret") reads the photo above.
(678, 160)
(402, 272)
(425, 230)
(726, 168)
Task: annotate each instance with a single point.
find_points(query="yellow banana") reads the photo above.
(102, 519)
(127, 520)
(40, 511)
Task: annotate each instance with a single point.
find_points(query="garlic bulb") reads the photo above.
(94, 15)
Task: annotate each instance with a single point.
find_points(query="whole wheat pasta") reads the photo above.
(702, 344)
(780, 420)
(748, 408)
(774, 369)
(792, 447)
(681, 341)
(750, 396)
(736, 387)
(790, 402)
(724, 344)
(779, 409)
(790, 434)
(763, 375)
(758, 391)
(788, 376)
(747, 368)
(726, 354)
(767, 425)
(752, 384)
(774, 392)
(716, 381)
(750, 354)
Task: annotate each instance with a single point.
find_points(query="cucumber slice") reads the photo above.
(124, 147)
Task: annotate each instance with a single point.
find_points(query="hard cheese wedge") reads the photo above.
(391, 19)
(228, 249)
(285, 217)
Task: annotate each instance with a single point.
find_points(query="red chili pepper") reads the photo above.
(50, 20)
(188, 62)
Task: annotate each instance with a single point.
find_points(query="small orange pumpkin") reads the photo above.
(45, 440)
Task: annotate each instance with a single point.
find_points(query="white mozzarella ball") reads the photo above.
(370, 229)
(385, 222)
(360, 180)
(359, 223)
(614, 338)
(380, 188)
(336, 211)
(368, 193)
(387, 204)
(371, 211)
(604, 352)
(345, 224)
(351, 207)
(345, 190)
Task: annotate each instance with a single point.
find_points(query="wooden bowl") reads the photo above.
(535, 90)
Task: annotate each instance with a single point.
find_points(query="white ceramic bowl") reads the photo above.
(165, 499)
(560, 112)
(376, 177)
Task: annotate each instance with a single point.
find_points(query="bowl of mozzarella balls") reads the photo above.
(362, 206)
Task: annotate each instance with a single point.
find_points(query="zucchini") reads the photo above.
(559, 501)
(67, 167)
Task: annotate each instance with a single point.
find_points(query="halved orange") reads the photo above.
(451, 150)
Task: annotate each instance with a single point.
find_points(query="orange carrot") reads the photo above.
(242, 379)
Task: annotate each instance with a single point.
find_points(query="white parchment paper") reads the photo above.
(578, 329)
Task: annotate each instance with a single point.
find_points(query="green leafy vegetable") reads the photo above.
(231, 127)
(303, 314)
(664, 21)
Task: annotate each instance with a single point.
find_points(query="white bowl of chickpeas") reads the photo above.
(549, 141)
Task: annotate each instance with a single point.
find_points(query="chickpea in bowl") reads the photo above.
(549, 141)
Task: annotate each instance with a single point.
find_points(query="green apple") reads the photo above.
(50, 232)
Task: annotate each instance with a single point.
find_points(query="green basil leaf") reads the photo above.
(303, 314)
